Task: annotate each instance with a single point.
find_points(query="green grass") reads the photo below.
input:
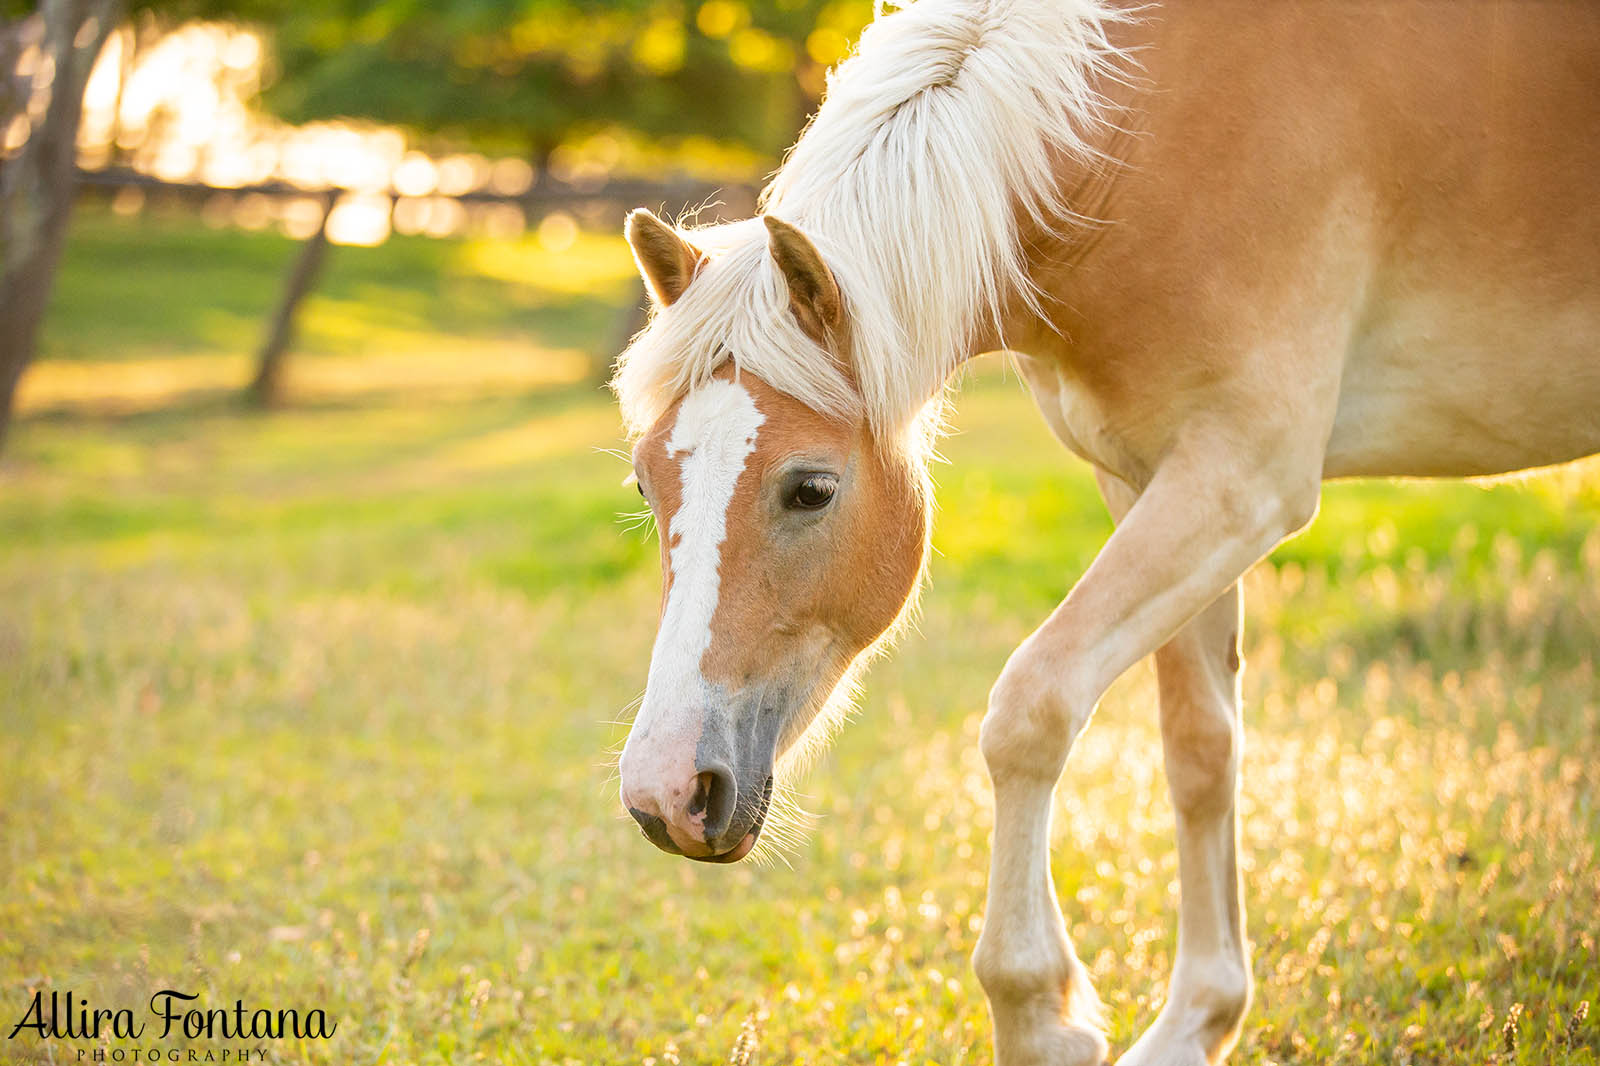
(131, 290)
(315, 710)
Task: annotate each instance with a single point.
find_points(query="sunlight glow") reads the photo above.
(181, 109)
(362, 219)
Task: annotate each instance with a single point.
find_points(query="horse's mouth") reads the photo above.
(746, 843)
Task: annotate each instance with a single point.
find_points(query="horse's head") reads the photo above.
(791, 538)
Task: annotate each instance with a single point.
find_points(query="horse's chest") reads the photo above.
(1077, 418)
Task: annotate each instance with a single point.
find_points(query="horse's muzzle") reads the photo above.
(655, 831)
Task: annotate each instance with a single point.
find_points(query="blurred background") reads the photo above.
(501, 130)
(322, 609)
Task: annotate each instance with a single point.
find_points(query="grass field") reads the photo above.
(314, 709)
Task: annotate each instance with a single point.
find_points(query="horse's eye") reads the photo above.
(814, 492)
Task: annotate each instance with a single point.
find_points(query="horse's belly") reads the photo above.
(1463, 388)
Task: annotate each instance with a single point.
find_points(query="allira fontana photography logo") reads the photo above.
(171, 1015)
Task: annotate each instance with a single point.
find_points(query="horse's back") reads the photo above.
(1409, 191)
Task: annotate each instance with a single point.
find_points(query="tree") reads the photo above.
(37, 183)
(266, 388)
(527, 75)
(503, 75)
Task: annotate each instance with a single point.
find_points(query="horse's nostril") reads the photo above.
(714, 796)
(703, 784)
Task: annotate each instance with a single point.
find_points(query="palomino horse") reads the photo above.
(1236, 249)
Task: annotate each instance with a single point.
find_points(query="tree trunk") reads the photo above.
(37, 185)
(267, 388)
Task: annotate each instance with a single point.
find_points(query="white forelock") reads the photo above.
(939, 135)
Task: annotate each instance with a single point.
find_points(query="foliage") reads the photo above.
(315, 710)
(526, 75)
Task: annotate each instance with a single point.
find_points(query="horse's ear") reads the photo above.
(666, 260)
(813, 290)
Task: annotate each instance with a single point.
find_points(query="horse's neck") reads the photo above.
(937, 276)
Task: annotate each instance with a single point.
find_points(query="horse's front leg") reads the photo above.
(1204, 518)
(1044, 1009)
(1202, 735)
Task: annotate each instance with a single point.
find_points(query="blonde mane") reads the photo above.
(934, 140)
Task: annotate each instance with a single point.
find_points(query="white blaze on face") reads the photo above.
(711, 442)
